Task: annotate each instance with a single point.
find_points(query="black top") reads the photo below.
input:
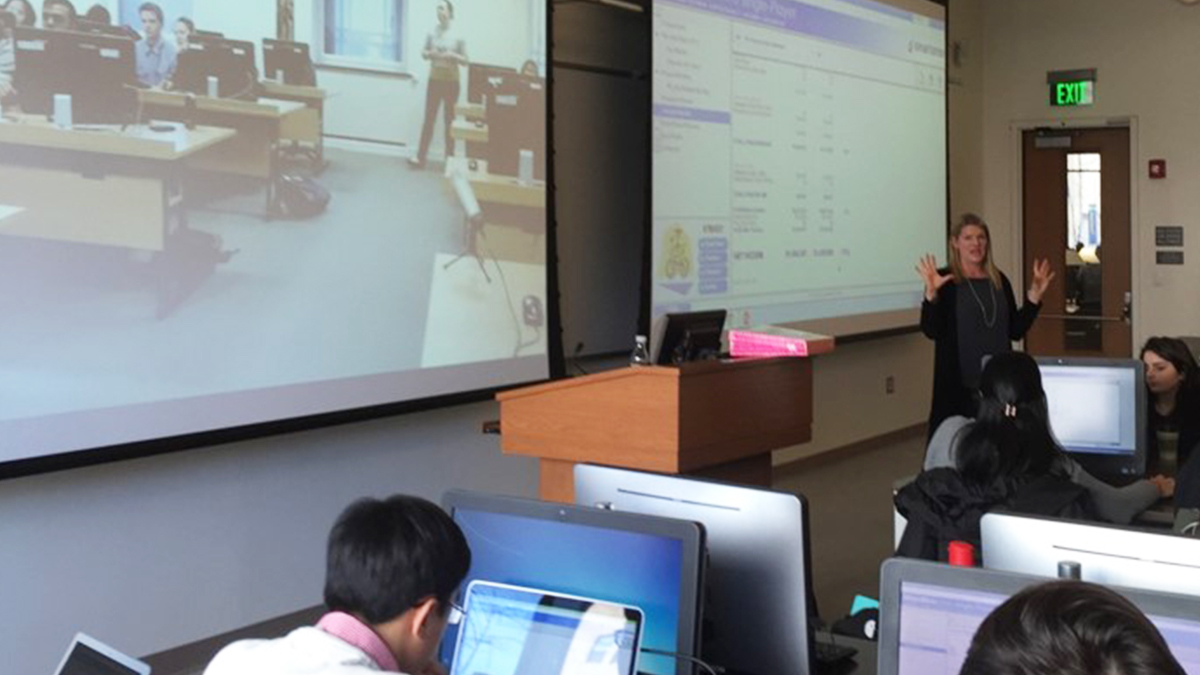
(953, 394)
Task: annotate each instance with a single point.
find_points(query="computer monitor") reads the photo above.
(653, 563)
(690, 336)
(98, 72)
(516, 120)
(289, 59)
(97, 28)
(88, 656)
(929, 613)
(1108, 554)
(759, 581)
(1098, 413)
(230, 61)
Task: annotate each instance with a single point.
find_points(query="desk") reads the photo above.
(514, 223)
(307, 126)
(58, 176)
(471, 111)
(101, 186)
(468, 130)
(259, 125)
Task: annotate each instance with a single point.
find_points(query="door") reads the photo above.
(1077, 215)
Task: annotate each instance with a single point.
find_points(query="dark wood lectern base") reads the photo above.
(556, 478)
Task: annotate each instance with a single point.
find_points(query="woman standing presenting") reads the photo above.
(445, 52)
(969, 311)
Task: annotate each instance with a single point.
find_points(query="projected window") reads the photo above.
(363, 32)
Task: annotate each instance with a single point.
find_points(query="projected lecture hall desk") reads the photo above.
(306, 126)
(260, 125)
(98, 185)
(514, 227)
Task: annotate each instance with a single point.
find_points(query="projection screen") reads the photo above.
(217, 214)
(799, 159)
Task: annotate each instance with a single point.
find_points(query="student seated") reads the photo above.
(58, 15)
(1068, 628)
(1173, 403)
(1007, 458)
(1012, 388)
(391, 568)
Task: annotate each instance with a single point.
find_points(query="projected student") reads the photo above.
(970, 312)
(58, 15)
(446, 53)
(1174, 411)
(155, 56)
(98, 14)
(8, 63)
(184, 29)
(22, 10)
(391, 568)
(1007, 458)
(1068, 628)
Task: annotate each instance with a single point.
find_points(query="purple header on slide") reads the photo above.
(693, 114)
(818, 22)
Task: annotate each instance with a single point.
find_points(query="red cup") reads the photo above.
(962, 554)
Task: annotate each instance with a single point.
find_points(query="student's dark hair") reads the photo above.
(151, 7)
(386, 556)
(187, 22)
(30, 15)
(1010, 439)
(1068, 628)
(1179, 355)
(98, 14)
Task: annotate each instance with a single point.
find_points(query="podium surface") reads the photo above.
(719, 419)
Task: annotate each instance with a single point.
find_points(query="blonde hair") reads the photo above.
(972, 220)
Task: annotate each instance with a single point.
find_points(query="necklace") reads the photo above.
(982, 310)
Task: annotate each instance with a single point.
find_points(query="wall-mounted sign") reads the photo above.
(1168, 257)
(1168, 235)
(1070, 88)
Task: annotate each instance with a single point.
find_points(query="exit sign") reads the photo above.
(1080, 92)
(1070, 88)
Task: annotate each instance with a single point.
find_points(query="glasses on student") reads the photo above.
(457, 612)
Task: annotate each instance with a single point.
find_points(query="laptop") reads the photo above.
(513, 630)
(89, 656)
(929, 613)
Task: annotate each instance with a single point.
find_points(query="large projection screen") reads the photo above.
(166, 270)
(799, 159)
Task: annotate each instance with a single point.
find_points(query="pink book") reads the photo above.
(776, 341)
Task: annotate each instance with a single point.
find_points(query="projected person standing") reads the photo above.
(445, 52)
(969, 311)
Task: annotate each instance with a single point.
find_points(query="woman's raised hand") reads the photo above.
(928, 269)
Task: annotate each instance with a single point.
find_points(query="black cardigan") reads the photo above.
(939, 322)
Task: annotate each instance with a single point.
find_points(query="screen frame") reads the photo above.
(847, 328)
(162, 445)
(691, 535)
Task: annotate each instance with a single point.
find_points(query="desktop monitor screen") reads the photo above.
(1107, 554)
(1097, 412)
(690, 336)
(289, 59)
(930, 611)
(516, 109)
(230, 61)
(87, 67)
(652, 563)
(759, 583)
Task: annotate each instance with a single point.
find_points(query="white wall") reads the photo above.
(1146, 55)
(153, 553)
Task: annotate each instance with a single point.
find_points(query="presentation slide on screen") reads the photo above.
(216, 214)
(799, 153)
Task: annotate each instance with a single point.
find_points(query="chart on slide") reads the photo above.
(799, 155)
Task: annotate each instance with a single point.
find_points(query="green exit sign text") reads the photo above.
(1078, 92)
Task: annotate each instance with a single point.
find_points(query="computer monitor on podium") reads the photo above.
(689, 336)
(760, 601)
(1098, 413)
(1107, 554)
(650, 562)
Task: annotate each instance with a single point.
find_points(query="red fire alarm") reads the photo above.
(1158, 168)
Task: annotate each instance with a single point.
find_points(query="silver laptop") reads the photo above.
(512, 630)
(89, 656)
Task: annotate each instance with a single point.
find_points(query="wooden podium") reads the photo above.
(719, 419)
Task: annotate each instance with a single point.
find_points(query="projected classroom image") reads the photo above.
(230, 212)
